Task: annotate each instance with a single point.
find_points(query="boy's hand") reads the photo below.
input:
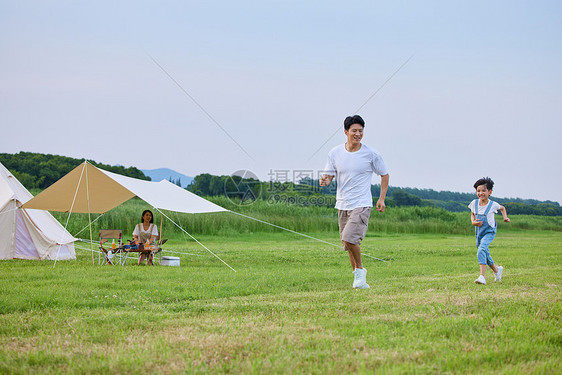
(506, 219)
(477, 223)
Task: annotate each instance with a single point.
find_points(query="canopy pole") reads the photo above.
(70, 213)
(89, 217)
(195, 239)
(161, 226)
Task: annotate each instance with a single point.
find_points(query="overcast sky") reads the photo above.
(219, 86)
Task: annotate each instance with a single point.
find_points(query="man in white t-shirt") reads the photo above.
(353, 165)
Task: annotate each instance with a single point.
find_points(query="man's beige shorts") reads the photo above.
(353, 224)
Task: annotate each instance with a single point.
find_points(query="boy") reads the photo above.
(482, 213)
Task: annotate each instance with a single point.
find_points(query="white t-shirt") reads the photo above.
(354, 172)
(491, 214)
(152, 230)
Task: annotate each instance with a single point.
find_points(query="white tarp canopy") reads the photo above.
(90, 189)
(27, 233)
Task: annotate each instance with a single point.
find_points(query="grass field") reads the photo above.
(290, 308)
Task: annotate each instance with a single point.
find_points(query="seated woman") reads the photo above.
(145, 232)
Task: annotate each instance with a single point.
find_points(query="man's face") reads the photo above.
(354, 134)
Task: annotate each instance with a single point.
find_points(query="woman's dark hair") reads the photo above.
(151, 214)
(485, 181)
(350, 120)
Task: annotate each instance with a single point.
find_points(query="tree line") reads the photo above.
(39, 171)
(307, 192)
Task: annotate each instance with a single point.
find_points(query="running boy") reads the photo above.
(482, 213)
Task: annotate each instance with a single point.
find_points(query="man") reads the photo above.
(353, 165)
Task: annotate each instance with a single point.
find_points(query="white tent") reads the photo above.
(28, 233)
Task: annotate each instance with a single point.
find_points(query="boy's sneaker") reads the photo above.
(480, 280)
(498, 274)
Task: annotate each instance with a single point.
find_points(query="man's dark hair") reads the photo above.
(485, 181)
(350, 120)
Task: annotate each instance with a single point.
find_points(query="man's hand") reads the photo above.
(325, 180)
(477, 223)
(384, 187)
(506, 219)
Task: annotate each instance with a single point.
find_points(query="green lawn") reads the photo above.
(290, 308)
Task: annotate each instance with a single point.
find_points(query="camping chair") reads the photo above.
(107, 249)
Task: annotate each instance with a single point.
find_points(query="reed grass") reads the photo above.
(298, 218)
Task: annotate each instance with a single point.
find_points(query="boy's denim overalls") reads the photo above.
(484, 235)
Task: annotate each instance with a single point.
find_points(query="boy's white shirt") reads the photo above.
(354, 173)
(491, 214)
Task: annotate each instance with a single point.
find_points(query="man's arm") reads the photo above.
(384, 187)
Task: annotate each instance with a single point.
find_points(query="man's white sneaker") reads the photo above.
(360, 277)
(498, 274)
(364, 276)
(480, 280)
(357, 278)
(365, 286)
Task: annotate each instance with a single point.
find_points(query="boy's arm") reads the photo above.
(475, 222)
(504, 214)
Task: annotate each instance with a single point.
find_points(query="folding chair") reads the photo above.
(107, 249)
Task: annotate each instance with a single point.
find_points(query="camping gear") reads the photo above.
(109, 252)
(27, 233)
(170, 261)
(88, 189)
(133, 247)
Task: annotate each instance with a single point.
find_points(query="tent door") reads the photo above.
(24, 246)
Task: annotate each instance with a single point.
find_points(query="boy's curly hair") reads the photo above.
(485, 181)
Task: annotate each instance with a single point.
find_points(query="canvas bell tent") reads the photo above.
(29, 233)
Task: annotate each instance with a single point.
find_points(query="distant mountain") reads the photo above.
(167, 174)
